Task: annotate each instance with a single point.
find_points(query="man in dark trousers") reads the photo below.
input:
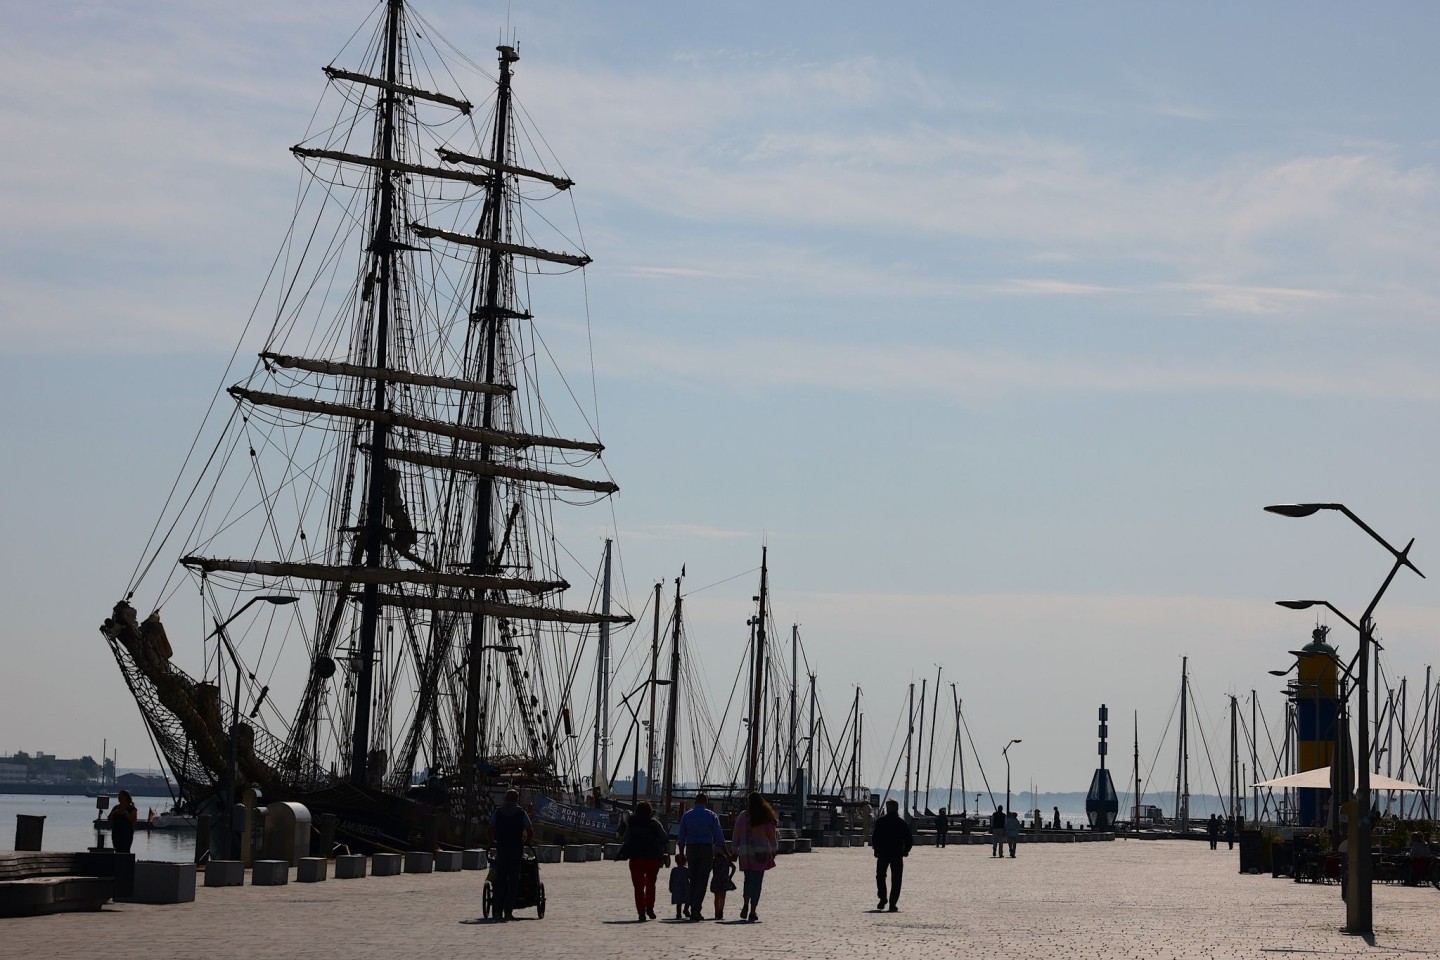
(892, 841)
(942, 826)
(510, 830)
(700, 836)
(997, 832)
(1212, 830)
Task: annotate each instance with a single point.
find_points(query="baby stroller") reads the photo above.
(530, 892)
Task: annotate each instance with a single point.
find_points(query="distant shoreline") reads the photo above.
(77, 790)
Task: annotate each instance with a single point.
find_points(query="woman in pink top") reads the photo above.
(755, 846)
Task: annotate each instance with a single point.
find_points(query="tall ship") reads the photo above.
(363, 547)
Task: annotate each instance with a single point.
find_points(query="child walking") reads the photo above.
(680, 887)
(721, 881)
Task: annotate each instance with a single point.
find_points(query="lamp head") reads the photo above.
(1296, 604)
(1294, 509)
(278, 600)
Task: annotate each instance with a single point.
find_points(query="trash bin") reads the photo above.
(29, 829)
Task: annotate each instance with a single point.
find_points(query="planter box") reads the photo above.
(157, 882)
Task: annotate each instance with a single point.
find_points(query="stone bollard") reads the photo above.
(419, 861)
(548, 854)
(612, 851)
(386, 865)
(350, 866)
(224, 873)
(786, 845)
(270, 873)
(449, 861)
(476, 859)
(312, 870)
(575, 853)
(594, 851)
(804, 845)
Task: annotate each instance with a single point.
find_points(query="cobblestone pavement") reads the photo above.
(1140, 899)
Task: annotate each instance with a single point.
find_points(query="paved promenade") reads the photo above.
(1130, 899)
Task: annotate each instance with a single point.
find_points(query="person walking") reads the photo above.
(942, 826)
(700, 836)
(510, 830)
(1230, 832)
(644, 846)
(892, 840)
(1212, 831)
(997, 832)
(755, 843)
(1012, 832)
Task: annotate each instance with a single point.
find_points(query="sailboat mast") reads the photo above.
(654, 666)
(491, 317)
(602, 682)
(1234, 759)
(794, 706)
(1136, 719)
(930, 759)
(909, 742)
(757, 699)
(1182, 775)
(674, 704)
(383, 247)
(920, 749)
(955, 755)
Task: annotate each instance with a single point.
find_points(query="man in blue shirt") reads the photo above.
(510, 830)
(700, 835)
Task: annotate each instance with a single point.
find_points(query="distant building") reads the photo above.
(14, 772)
(142, 786)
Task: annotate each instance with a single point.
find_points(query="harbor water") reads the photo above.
(69, 826)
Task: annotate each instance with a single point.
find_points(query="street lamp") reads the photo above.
(635, 725)
(232, 759)
(1359, 914)
(1006, 754)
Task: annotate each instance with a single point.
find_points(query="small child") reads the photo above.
(720, 882)
(680, 887)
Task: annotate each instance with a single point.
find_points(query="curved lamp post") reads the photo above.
(231, 748)
(1006, 754)
(1359, 914)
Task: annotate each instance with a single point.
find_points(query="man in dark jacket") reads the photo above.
(892, 841)
(997, 832)
(510, 830)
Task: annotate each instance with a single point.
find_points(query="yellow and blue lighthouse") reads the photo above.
(1316, 695)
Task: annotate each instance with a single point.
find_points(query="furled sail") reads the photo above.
(493, 608)
(464, 106)
(488, 469)
(499, 246)
(499, 438)
(398, 166)
(377, 575)
(390, 375)
(451, 156)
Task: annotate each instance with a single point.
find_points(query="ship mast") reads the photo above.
(757, 699)
(491, 315)
(383, 250)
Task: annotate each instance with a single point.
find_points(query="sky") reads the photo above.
(998, 324)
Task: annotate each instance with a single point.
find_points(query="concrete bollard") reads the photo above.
(419, 861)
(449, 861)
(386, 865)
(475, 859)
(312, 870)
(224, 873)
(786, 845)
(594, 851)
(350, 866)
(612, 851)
(575, 853)
(158, 882)
(270, 873)
(548, 854)
(803, 845)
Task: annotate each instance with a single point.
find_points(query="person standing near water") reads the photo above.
(997, 832)
(122, 819)
(942, 826)
(755, 846)
(1012, 832)
(892, 841)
